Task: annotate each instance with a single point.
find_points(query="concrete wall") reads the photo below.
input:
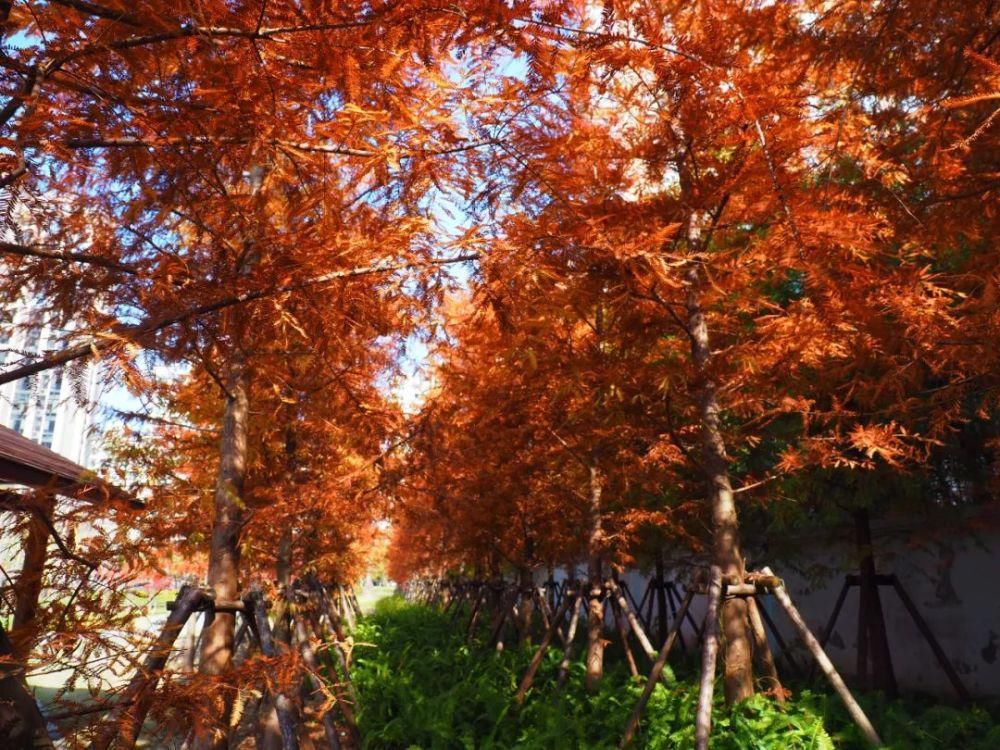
(953, 582)
(952, 577)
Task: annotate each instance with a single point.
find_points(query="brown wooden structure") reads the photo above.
(25, 463)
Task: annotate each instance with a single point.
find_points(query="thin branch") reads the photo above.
(93, 9)
(39, 251)
(317, 148)
(137, 334)
(569, 448)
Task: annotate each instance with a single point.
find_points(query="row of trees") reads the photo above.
(727, 251)
(751, 263)
(238, 225)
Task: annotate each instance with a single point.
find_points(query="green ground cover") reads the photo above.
(420, 686)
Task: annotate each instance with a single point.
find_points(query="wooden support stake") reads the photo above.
(654, 673)
(785, 651)
(459, 601)
(543, 606)
(673, 599)
(828, 630)
(856, 712)
(709, 654)
(640, 634)
(831, 623)
(661, 590)
(346, 608)
(309, 657)
(574, 620)
(507, 605)
(340, 682)
(635, 607)
(622, 629)
(283, 706)
(547, 616)
(536, 661)
(925, 630)
(125, 720)
(642, 605)
(470, 629)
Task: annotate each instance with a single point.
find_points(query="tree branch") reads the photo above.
(39, 251)
(137, 334)
(320, 148)
(93, 9)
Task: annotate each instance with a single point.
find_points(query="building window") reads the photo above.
(22, 397)
(50, 429)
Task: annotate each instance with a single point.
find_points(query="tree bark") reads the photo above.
(224, 554)
(527, 585)
(661, 597)
(595, 599)
(737, 652)
(873, 642)
(28, 588)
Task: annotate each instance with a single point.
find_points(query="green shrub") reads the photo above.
(421, 686)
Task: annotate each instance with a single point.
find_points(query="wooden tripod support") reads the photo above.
(126, 716)
(754, 586)
(664, 595)
(893, 582)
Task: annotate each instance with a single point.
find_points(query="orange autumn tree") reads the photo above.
(706, 147)
(540, 440)
(799, 224)
(224, 158)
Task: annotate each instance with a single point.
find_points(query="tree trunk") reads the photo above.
(737, 652)
(873, 641)
(595, 599)
(661, 598)
(527, 608)
(224, 555)
(28, 588)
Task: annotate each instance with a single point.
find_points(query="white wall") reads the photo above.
(952, 577)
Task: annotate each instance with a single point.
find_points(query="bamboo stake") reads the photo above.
(655, 672)
(283, 706)
(709, 654)
(125, 723)
(309, 657)
(825, 665)
(536, 661)
(640, 634)
(570, 635)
